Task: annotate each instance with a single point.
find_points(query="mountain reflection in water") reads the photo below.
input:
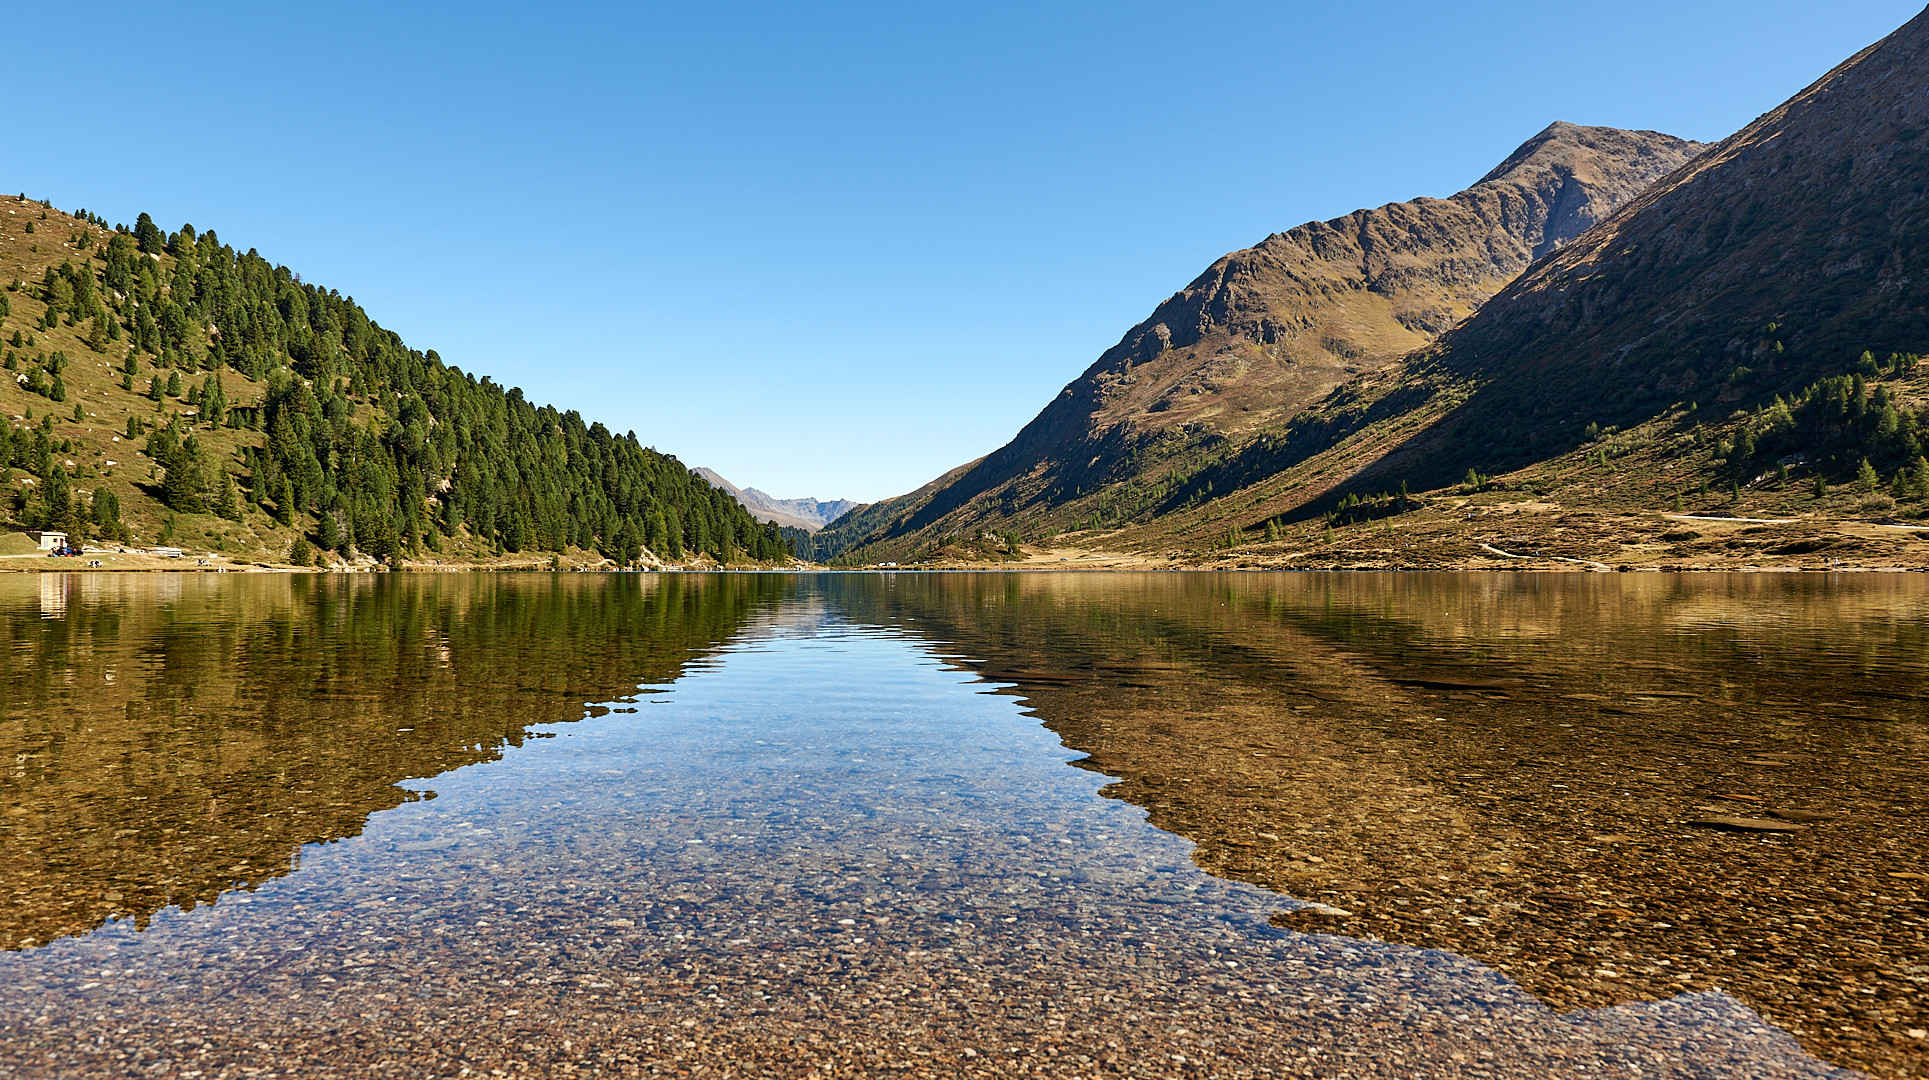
(1508, 766)
(174, 736)
(1498, 765)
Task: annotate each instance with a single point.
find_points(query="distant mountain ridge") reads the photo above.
(807, 514)
(1269, 330)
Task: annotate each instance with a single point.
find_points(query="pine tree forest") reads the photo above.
(238, 400)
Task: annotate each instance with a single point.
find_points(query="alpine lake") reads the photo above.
(960, 825)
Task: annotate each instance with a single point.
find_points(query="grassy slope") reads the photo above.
(94, 382)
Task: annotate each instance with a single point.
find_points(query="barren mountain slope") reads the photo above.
(1268, 330)
(1776, 258)
(1743, 339)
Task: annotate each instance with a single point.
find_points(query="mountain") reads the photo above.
(1775, 259)
(1759, 311)
(1269, 330)
(168, 389)
(809, 515)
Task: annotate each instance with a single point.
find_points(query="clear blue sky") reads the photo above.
(829, 249)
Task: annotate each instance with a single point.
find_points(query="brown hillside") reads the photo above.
(1268, 330)
(1741, 340)
(1775, 258)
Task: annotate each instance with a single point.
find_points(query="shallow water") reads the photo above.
(750, 825)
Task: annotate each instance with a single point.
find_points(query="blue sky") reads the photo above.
(830, 249)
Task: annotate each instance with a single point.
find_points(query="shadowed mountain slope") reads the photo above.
(1774, 259)
(1268, 330)
(1769, 264)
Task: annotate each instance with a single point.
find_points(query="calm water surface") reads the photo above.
(769, 825)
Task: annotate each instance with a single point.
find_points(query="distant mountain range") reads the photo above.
(807, 514)
(1267, 331)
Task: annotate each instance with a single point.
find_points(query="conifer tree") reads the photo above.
(227, 504)
(148, 235)
(185, 488)
(106, 508)
(284, 497)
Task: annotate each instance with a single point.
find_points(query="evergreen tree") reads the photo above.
(628, 545)
(227, 504)
(148, 235)
(375, 535)
(57, 504)
(106, 508)
(284, 497)
(186, 486)
(1866, 478)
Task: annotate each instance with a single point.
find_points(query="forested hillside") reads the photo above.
(167, 388)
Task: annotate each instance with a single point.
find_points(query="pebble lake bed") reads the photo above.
(746, 825)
